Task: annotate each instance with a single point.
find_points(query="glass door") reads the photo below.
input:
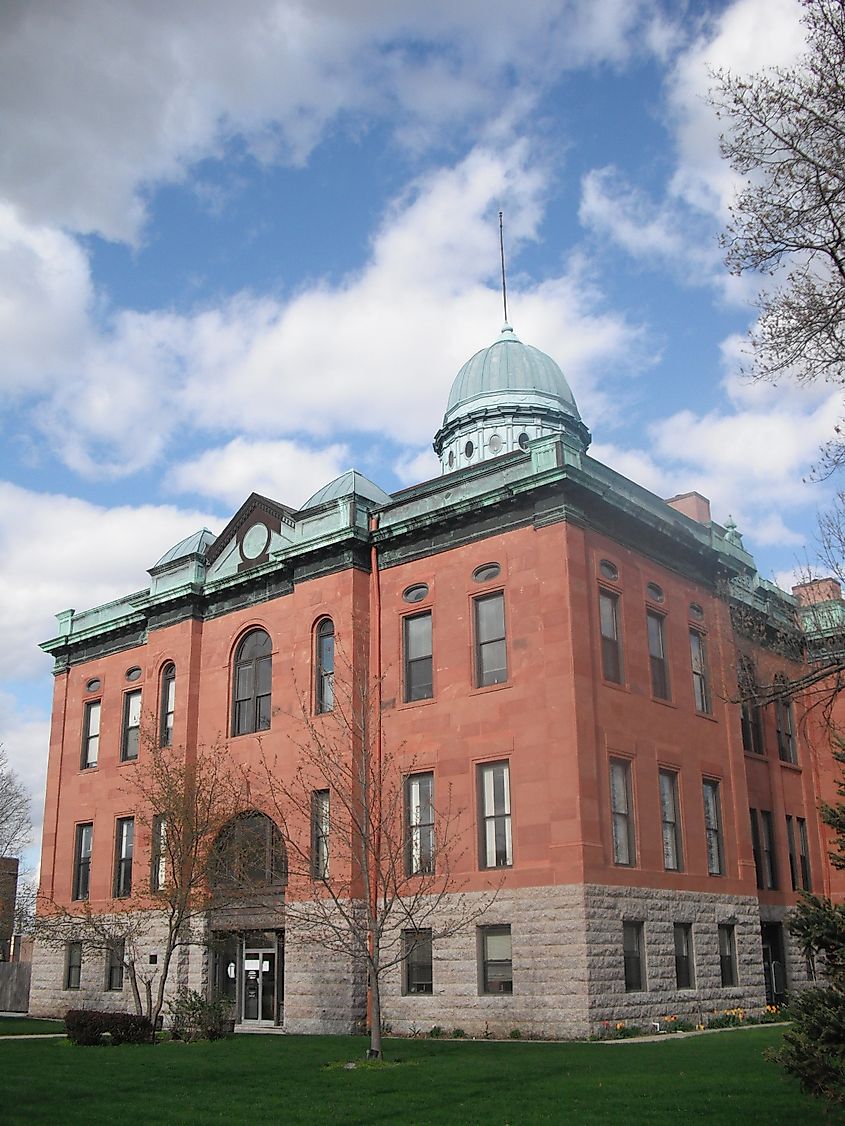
(259, 986)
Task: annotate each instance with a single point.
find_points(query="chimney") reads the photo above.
(693, 505)
(818, 590)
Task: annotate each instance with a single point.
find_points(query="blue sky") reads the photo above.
(248, 247)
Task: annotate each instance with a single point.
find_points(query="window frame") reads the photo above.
(167, 704)
(756, 847)
(804, 855)
(685, 956)
(633, 956)
(324, 662)
(115, 956)
(412, 665)
(73, 965)
(612, 665)
(658, 663)
(415, 980)
(420, 849)
(671, 826)
(713, 832)
(700, 672)
(320, 833)
(768, 850)
(495, 825)
(728, 967)
(489, 981)
(158, 853)
(130, 735)
(91, 738)
(785, 724)
(124, 850)
(83, 834)
(622, 831)
(257, 716)
(487, 677)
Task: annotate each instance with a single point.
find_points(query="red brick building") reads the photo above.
(558, 650)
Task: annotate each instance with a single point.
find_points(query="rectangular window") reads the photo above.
(657, 656)
(684, 966)
(82, 860)
(698, 656)
(419, 817)
(91, 735)
(713, 827)
(114, 965)
(621, 809)
(123, 849)
(755, 845)
(785, 729)
(417, 954)
(496, 846)
(73, 965)
(131, 726)
(611, 646)
(727, 954)
(158, 857)
(752, 729)
(632, 948)
(416, 630)
(491, 658)
(767, 840)
(673, 860)
(804, 854)
(320, 834)
(496, 960)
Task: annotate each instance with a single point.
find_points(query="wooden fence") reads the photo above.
(14, 986)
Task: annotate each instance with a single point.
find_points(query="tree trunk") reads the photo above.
(375, 1017)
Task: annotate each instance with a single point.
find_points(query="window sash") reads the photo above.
(82, 860)
(804, 854)
(727, 955)
(418, 961)
(168, 705)
(124, 848)
(755, 847)
(611, 648)
(497, 842)
(419, 790)
(324, 671)
(491, 659)
(698, 657)
(114, 965)
(158, 865)
(770, 869)
(621, 808)
(131, 740)
(632, 950)
(672, 853)
(713, 828)
(657, 656)
(91, 734)
(497, 952)
(252, 685)
(73, 965)
(417, 639)
(785, 730)
(320, 822)
(684, 967)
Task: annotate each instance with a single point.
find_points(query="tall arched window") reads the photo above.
(167, 705)
(324, 667)
(252, 684)
(784, 721)
(249, 853)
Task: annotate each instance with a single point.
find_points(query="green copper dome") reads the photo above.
(509, 372)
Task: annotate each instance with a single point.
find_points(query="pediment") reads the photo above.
(250, 536)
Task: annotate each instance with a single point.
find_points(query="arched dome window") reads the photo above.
(249, 853)
(251, 683)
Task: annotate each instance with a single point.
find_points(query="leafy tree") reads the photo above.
(785, 135)
(814, 1046)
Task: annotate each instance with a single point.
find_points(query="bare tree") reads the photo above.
(15, 816)
(785, 135)
(359, 873)
(185, 801)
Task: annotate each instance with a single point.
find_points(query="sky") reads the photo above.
(247, 247)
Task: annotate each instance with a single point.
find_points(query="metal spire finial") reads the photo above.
(502, 250)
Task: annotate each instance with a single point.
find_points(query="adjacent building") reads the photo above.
(598, 678)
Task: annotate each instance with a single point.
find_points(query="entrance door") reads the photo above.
(259, 986)
(773, 968)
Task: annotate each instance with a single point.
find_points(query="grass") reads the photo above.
(721, 1078)
(27, 1026)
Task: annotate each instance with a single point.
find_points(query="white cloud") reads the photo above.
(414, 467)
(285, 471)
(106, 100)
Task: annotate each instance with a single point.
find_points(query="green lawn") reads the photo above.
(26, 1026)
(720, 1078)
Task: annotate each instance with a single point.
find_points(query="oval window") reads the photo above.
(93, 685)
(451, 458)
(495, 444)
(608, 570)
(134, 673)
(469, 449)
(487, 572)
(416, 593)
(654, 592)
(523, 440)
(695, 611)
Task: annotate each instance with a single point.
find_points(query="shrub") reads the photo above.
(90, 1027)
(436, 1032)
(195, 1018)
(814, 1046)
(515, 1034)
(458, 1034)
